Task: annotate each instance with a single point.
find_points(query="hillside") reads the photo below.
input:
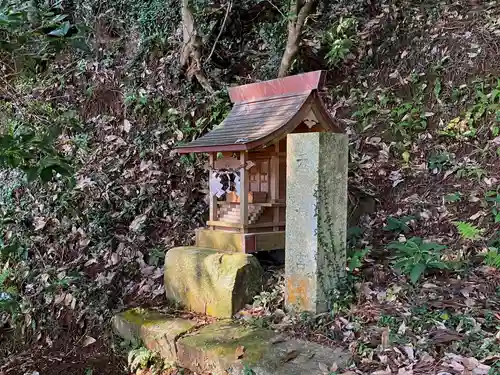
(416, 85)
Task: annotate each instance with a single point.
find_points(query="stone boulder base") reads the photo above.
(210, 282)
(158, 332)
(230, 348)
(225, 347)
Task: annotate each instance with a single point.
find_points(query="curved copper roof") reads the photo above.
(264, 112)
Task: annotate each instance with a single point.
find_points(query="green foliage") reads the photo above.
(453, 197)
(355, 258)
(486, 103)
(492, 257)
(398, 224)
(9, 301)
(468, 231)
(414, 257)
(140, 358)
(32, 35)
(408, 118)
(493, 197)
(354, 234)
(340, 40)
(471, 171)
(27, 141)
(156, 257)
(495, 368)
(247, 370)
(439, 161)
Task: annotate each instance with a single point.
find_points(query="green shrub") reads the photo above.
(492, 258)
(340, 40)
(398, 224)
(414, 257)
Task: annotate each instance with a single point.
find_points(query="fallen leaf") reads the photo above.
(384, 339)
(239, 352)
(136, 224)
(410, 353)
(477, 215)
(39, 223)
(387, 371)
(470, 363)
(126, 126)
(88, 341)
(443, 336)
(402, 329)
(403, 371)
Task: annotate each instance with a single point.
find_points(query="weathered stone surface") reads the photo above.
(214, 349)
(316, 218)
(210, 282)
(157, 331)
(234, 242)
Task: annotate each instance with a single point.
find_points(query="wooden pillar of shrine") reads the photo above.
(244, 184)
(213, 199)
(275, 185)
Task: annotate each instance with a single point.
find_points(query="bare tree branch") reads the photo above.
(228, 10)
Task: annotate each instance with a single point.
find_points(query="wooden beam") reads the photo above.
(213, 198)
(244, 189)
(273, 177)
(225, 224)
(228, 224)
(227, 163)
(264, 225)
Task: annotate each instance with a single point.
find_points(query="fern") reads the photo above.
(139, 358)
(468, 231)
(492, 258)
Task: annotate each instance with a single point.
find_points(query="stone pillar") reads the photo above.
(316, 219)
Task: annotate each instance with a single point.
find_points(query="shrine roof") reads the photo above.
(266, 111)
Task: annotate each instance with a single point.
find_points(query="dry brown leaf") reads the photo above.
(239, 352)
(137, 223)
(403, 371)
(88, 341)
(470, 363)
(126, 126)
(384, 338)
(387, 371)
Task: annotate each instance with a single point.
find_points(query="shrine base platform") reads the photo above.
(235, 242)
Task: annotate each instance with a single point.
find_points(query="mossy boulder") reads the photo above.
(226, 347)
(157, 331)
(210, 282)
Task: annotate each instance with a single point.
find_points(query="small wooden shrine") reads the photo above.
(247, 155)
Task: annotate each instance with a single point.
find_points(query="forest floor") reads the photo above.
(418, 93)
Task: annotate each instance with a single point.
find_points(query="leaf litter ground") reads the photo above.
(419, 63)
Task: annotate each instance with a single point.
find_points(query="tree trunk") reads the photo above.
(191, 50)
(299, 9)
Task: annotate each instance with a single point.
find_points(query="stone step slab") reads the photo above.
(225, 347)
(158, 332)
